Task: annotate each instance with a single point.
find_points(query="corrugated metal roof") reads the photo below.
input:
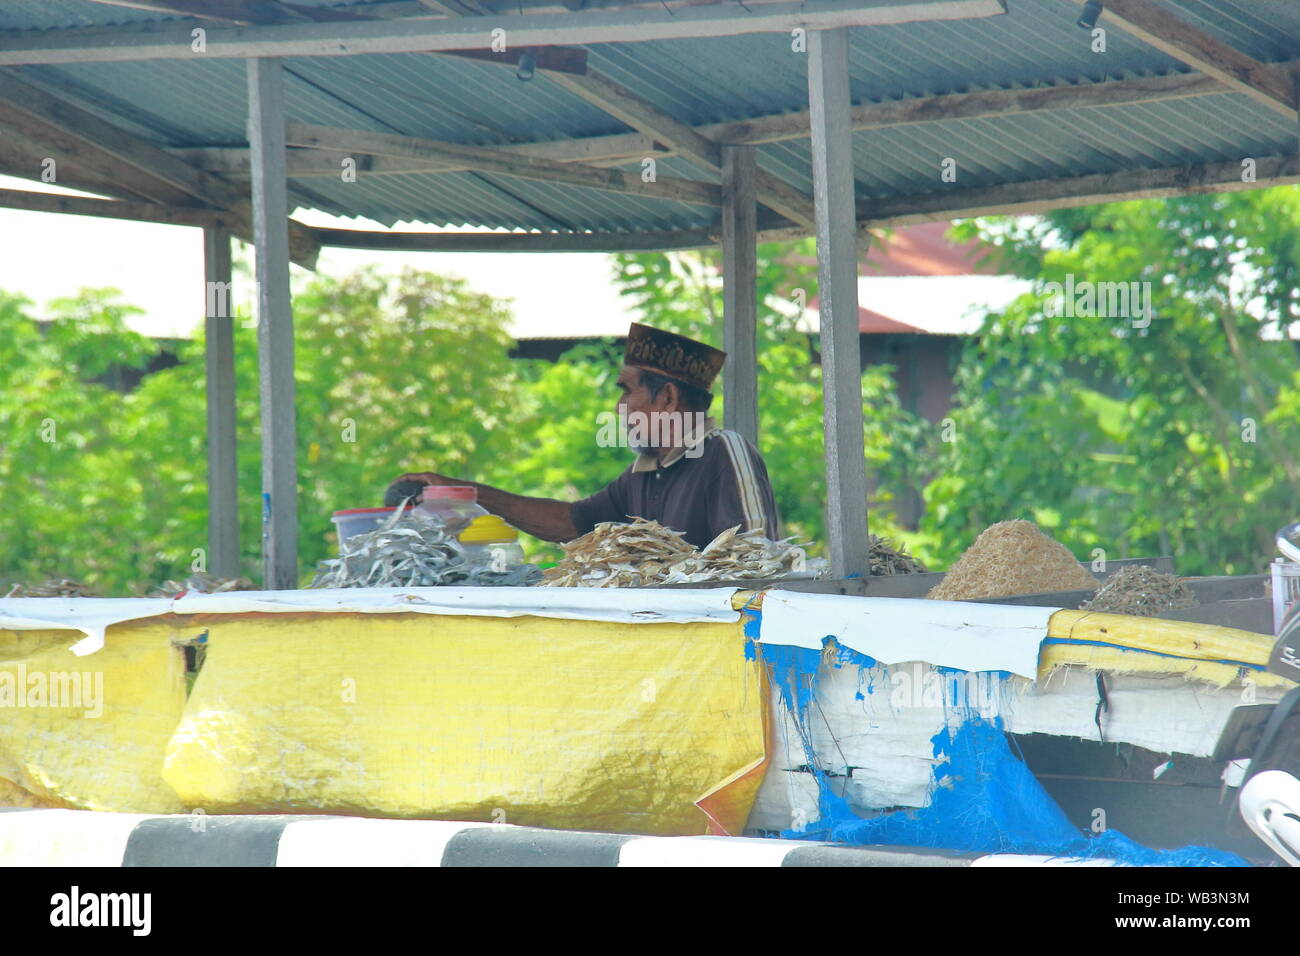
(203, 102)
(54, 14)
(1265, 29)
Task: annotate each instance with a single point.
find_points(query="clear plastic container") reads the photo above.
(457, 505)
(492, 543)
(354, 521)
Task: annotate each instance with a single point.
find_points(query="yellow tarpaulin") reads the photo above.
(527, 720)
(89, 732)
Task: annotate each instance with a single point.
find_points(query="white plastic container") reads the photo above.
(1286, 590)
(1285, 575)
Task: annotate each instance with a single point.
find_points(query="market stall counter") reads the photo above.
(642, 711)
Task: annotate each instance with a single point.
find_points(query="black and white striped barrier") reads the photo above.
(82, 838)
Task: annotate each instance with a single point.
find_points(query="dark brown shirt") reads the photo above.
(724, 485)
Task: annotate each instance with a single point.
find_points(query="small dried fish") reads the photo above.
(885, 558)
(1141, 590)
(202, 583)
(54, 587)
(645, 553)
(413, 549)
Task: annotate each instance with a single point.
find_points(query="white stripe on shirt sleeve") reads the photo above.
(751, 496)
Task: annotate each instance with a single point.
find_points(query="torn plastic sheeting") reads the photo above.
(1163, 713)
(986, 800)
(970, 637)
(982, 797)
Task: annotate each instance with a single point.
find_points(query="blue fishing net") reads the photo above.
(985, 799)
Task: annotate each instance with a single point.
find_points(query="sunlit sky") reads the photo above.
(159, 269)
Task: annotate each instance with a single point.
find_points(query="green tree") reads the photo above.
(65, 447)
(392, 372)
(1175, 437)
(395, 373)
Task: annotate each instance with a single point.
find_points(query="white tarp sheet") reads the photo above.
(970, 637)
(975, 637)
(92, 616)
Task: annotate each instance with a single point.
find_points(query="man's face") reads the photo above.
(635, 401)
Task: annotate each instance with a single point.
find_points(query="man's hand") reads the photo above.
(544, 518)
(410, 487)
(427, 478)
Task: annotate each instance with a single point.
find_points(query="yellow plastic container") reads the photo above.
(488, 529)
(493, 542)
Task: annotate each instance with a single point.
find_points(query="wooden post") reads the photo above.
(274, 325)
(837, 270)
(739, 292)
(219, 359)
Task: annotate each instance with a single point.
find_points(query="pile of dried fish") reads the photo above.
(616, 555)
(733, 556)
(413, 549)
(201, 583)
(519, 576)
(1142, 591)
(54, 587)
(887, 559)
(645, 554)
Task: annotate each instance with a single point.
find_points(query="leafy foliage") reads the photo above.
(390, 371)
(1180, 437)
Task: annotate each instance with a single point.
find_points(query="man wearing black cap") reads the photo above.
(689, 474)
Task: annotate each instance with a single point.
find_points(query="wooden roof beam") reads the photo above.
(25, 149)
(977, 105)
(622, 148)
(518, 242)
(556, 59)
(1014, 198)
(114, 209)
(108, 150)
(643, 116)
(127, 43)
(1175, 37)
(651, 241)
(684, 139)
(1037, 196)
(240, 12)
(24, 159)
(453, 157)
